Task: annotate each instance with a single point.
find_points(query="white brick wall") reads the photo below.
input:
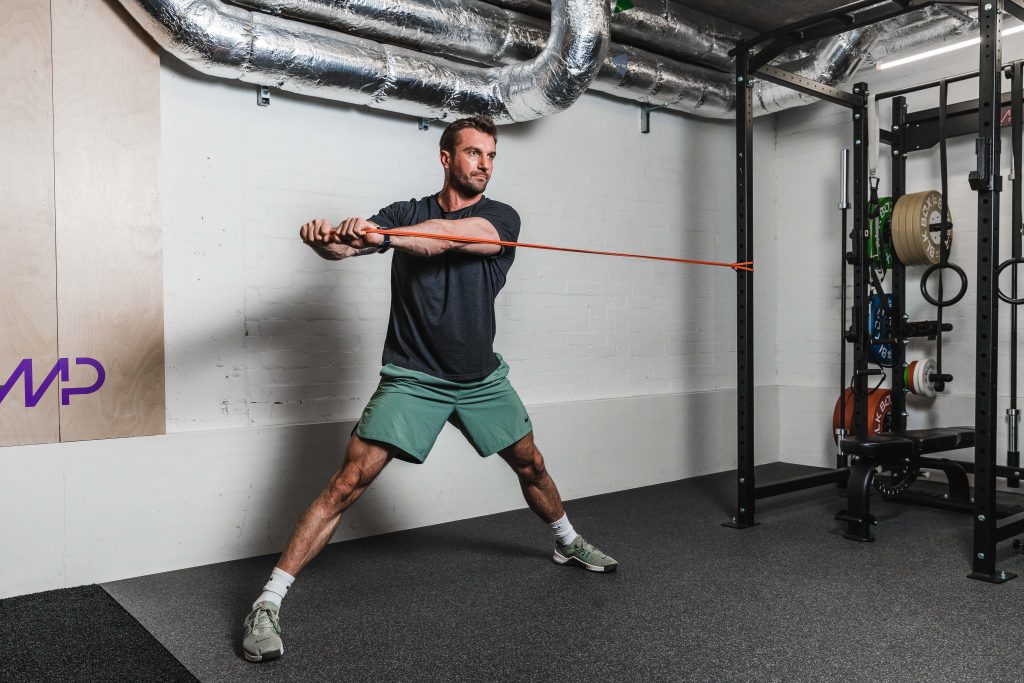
(260, 331)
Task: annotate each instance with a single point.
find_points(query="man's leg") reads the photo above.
(364, 460)
(538, 488)
(543, 498)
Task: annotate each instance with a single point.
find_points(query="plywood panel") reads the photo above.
(28, 307)
(106, 93)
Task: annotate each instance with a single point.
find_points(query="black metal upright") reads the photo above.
(899, 271)
(862, 261)
(744, 295)
(987, 182)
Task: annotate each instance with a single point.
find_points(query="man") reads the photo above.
(439, 362)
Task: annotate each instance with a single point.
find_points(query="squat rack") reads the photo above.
(752, 60)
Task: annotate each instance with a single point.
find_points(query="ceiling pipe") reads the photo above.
(230, 42)
(480, 32)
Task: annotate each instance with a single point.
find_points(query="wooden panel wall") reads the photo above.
(28, 307)
(106, 92)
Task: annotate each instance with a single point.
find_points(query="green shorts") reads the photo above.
(409, 409)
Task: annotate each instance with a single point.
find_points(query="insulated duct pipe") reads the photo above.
(478, 31)
(835, 61)
(676, 31)
(230, 42)
(925, 28)
(463, 29)
(482, 32)
(666, 27)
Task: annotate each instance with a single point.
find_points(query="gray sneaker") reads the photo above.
(583, 554)
(261, 640)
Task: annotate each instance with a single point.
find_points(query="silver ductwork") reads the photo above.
(631, 73)
(477, 31)
(674, 30)
(921, 30)
(261, 49)
(834, 62)
(540, 9)
(490, 34)
(461, 29)
(230, 42)
(666, 27)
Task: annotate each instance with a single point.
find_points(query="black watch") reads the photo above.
(385, 245)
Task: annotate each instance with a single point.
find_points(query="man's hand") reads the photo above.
(318, 231)
(328, 243)
(318, 234)
(352, 232)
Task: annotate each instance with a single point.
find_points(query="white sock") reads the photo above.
(277, 587)
(564, 532)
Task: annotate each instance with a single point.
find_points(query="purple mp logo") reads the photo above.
(33, 396)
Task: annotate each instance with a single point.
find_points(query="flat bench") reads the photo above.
(870, 451)
(909, 443)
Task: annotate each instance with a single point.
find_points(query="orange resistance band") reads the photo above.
(747, 266)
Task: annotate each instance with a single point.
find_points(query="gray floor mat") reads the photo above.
(789, 600)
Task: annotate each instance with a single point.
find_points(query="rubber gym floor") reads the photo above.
(480, 600)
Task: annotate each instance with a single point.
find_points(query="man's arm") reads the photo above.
(319, 234)
(352, 232)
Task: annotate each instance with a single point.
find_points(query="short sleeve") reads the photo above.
(396, 215)
(506, 221)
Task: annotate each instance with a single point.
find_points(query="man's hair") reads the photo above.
(484, 124)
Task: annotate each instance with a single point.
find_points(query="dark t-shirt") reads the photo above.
(442, 307)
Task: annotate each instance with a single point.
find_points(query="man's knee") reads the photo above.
(343, 488)
(525, 459)
(364, 460)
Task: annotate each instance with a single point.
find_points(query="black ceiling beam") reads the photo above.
(801, 30)
(829, 24)
(809, 87)
(841, 14)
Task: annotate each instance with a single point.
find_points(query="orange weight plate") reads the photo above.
(879, 407)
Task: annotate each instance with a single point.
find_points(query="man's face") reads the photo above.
(469, 169)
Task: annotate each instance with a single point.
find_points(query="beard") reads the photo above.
(469, 186)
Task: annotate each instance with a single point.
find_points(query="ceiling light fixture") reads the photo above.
(942, 50)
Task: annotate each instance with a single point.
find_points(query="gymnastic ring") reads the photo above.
(999, 272)
(939, 266)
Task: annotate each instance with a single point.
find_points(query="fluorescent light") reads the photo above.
(943, 50)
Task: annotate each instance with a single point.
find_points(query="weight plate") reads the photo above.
(913, 215)
(925, 369)
(897, 211)
(880, 251)
(917, 221)
(929, 243)
(884, 231)
(899, 228)
(911, 220)
(879, 412)
(881, 354)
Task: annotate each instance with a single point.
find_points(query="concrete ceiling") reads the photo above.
(764, 15)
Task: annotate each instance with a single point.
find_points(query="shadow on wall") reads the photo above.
(269, 474)
(290, 362)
